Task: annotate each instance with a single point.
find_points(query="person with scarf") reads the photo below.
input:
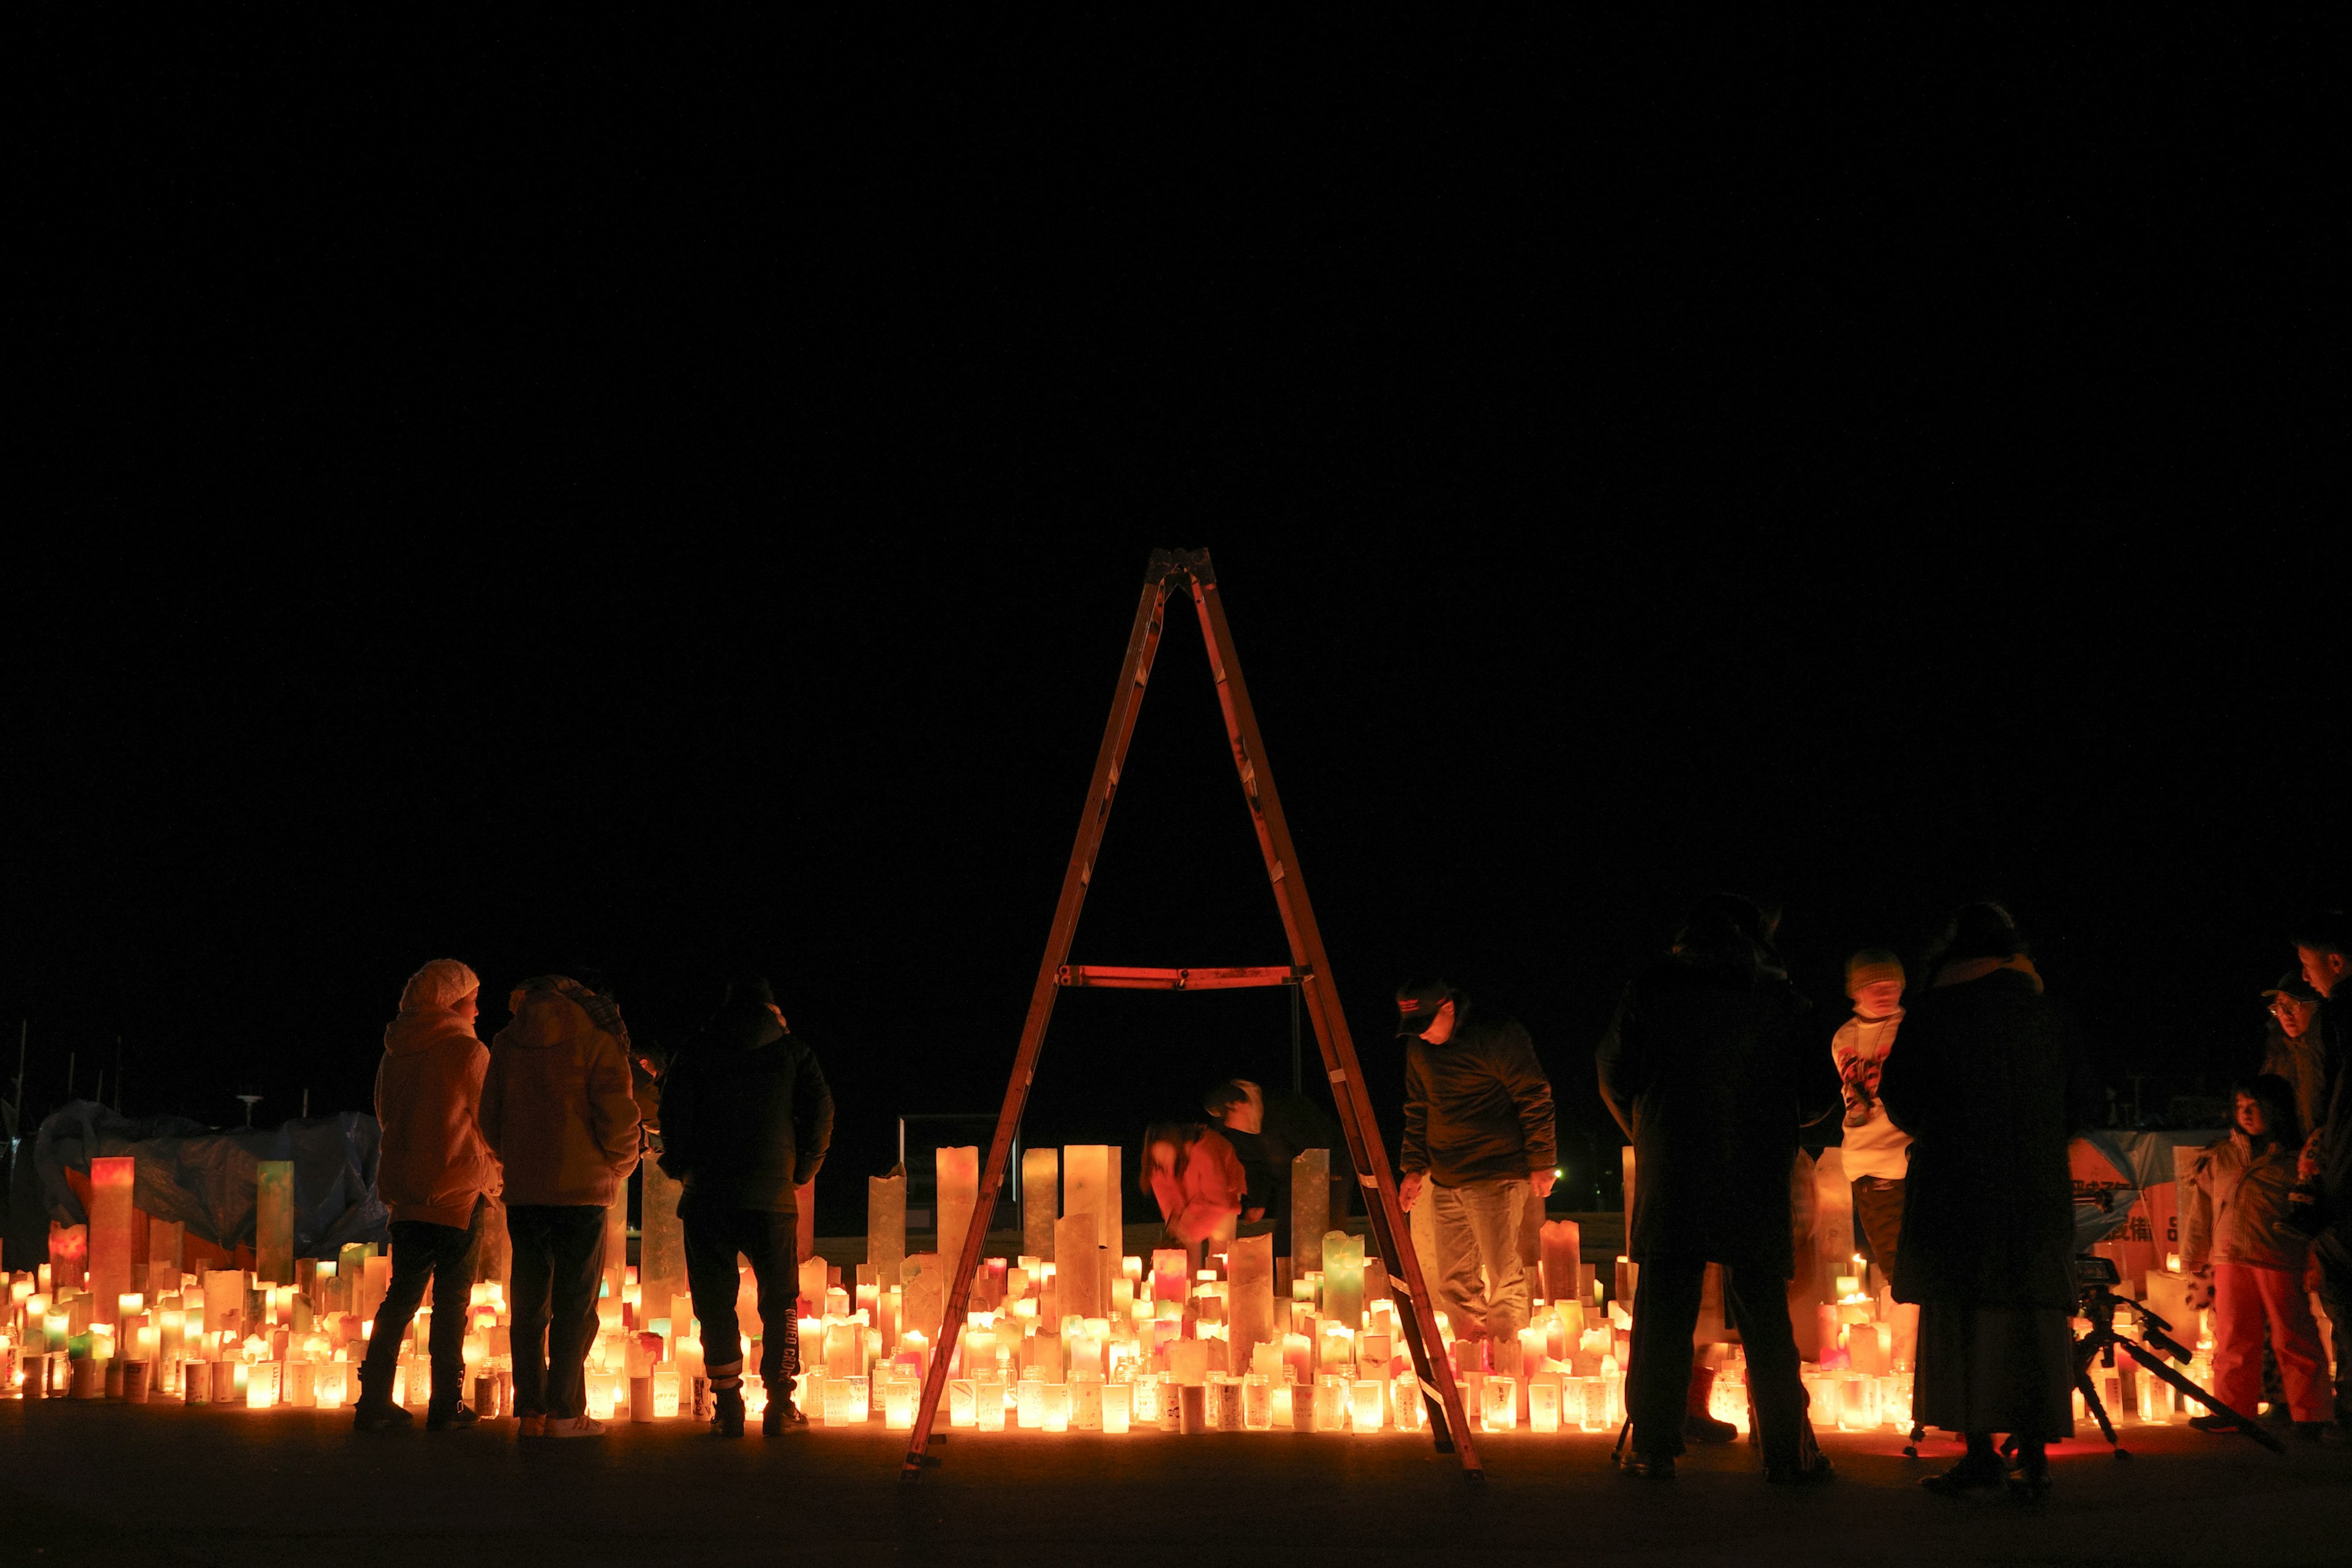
(434, 1173)
(1991, 1086)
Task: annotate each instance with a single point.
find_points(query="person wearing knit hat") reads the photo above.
(1877, 1153)
(434, 1172)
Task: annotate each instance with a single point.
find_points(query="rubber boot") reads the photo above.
(1698, 1427)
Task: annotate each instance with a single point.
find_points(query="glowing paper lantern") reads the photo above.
(1543, 1405)
(1499, 1402)
(901, 1395)
(1117, 1406)
(988, 1402)
(108, 1232)
(1370, 1394)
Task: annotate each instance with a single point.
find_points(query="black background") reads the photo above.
(668, 504)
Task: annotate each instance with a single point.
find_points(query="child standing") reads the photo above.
(2239, 1234)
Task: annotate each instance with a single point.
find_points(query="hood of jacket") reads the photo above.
(546, 1018)
(743, 1025)
(426, 1027)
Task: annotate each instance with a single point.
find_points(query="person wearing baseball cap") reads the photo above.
(1479, 1137)
(2292, 1048)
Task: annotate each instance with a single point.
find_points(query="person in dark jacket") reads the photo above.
(2291, 1044)
(1479, 1131)
(1991, 1085)
(1709, 1069)
(1240, 1114)
(2323, 945)
(746, 1118)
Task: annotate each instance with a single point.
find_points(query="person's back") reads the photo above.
(559, 1106)
(1706, 1069)
(559, 1110)
(747, 1119)
(434, 1164)
(746, 1116)
(1989, 1084)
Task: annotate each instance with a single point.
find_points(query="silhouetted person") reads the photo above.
(1708, 1067)
(1991, 1085)
(1192, 1172)
(2324, 946)
(558, 1111)
(434, 1174)
(747, 1119)
(1479, 1138)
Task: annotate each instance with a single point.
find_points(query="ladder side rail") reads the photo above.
(1356, 1118)
(1127, 700)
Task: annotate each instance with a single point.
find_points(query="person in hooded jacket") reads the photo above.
(558, 1111)
(1991, 1085)
(434, 1173)
(746, 1118)
(1710, 1068)
(2237, 1234)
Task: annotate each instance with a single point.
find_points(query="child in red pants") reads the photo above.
(2238, 1234)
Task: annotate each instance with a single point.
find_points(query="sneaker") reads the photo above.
(368, 1417)
(2311, 1431)
(781, 1415)
(531, 1426)
(573, 1426)
(456, 1419)
(1649, 1468)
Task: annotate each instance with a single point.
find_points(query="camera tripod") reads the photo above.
(2099, 1305)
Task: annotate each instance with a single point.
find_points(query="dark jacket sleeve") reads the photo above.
(1906, 1083)
(813, 1119)
(1623, 1072)
(1531, 1089)
(1821, 1092)
(679, 1097)
(1414, 1153)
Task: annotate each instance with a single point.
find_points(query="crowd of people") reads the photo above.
(528, 1143)
(1713, 1065)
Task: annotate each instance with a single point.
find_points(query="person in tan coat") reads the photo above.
(559, 1110)
(434, 1172)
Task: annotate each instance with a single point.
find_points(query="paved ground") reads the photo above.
(121, 1485)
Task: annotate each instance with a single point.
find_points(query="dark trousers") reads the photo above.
(715, 1234)
(1878, 1205)
(2335, 1294)
(422, 1252)
(558, 1264)
(1657, 1384)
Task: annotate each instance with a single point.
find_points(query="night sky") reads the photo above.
(650, 519)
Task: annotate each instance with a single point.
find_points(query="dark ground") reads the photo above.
(100, 1484)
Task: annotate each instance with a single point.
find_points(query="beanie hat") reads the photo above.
(1869, 967)
(442, 984)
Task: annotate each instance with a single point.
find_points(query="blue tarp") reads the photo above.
(206, 1179)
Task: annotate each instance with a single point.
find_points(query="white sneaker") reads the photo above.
(573, 1426)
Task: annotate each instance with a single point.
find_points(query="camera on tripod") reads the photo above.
(2096, 1300)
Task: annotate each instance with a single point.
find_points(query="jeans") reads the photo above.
(442, 1255)
(715, 1234)
(559, 1265)
(1479, 1223)
(1657, 1384)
